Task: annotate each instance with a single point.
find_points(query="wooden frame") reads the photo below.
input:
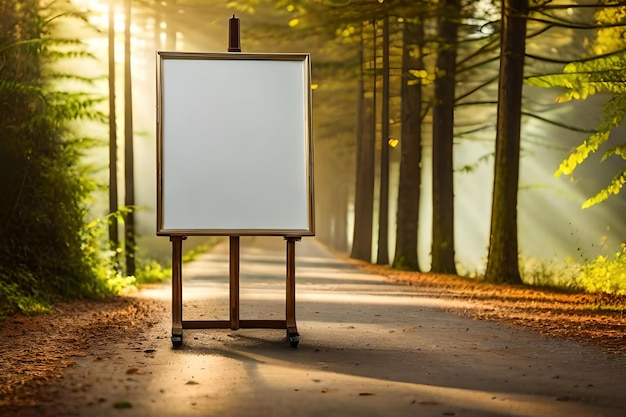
(234, 158)
(234, 148)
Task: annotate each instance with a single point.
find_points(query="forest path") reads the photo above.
(368, 347)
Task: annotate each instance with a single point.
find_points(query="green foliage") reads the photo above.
(605, 274)
(549, 274)
(614, 113)
(47, 252)
(399, 264)
(603, 73)
(602, 275)
(109, 280)
(151, 272)
(194, 253)
(614, 187)
(13, 300)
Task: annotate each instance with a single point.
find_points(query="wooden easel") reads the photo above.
(234, 322)
(178, 235)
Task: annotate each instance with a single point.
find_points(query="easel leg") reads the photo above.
(234, 282)
(292, 330)
(177, 290)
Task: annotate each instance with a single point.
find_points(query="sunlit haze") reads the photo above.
(552, 224)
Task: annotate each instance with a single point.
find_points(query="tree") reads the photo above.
(331, 34)
(502, 262)
(383, 208)
(129, 163)
(113, 201)
(47, 250)
(364, 184)
(411, 146)
(443, 137)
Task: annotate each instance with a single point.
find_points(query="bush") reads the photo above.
(152, 272)
(605, 274)
(551, 273)
(47, 252)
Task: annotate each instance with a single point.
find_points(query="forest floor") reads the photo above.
(36, 350)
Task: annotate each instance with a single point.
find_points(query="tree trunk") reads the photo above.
(113, 203)
(406, 256)
(323, 218)
(443, 137)
(340, 208)
(502, 262)
(383, 210)
(364, 184)
(129, 167)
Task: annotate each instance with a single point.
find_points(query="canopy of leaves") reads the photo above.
(603, 73)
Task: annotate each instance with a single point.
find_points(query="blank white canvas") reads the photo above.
(234, 145)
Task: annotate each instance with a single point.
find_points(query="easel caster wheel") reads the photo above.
(294, 339)
(177, 340)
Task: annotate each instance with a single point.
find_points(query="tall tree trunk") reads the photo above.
(406, 256)
(502, 262)
(443, 137)
(383, 210)
(323, 202)
(373, 120)
(129, 167)
(113, 203)
(364, 184)
(340, 208)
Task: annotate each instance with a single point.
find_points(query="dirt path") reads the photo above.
(441, 346)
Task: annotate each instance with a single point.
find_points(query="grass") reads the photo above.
(604, 274)
(152, 271)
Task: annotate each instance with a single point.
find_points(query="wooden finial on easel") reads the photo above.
(234, 38)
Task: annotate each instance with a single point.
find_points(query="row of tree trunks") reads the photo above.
(502, 262)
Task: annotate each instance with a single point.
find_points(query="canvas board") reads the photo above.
(234, 147)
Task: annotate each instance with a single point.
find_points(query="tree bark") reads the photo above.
(323, 218)
(364, 184)
(113, 203)
(383, 210)
(443, 137)
(502, 261)
(406, 256)
(340, 218)
(129, 154)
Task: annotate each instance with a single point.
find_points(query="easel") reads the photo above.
(234, 322)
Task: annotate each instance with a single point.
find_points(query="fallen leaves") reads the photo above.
(35, 350)
(599, 319)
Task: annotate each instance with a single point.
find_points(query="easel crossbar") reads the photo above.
(243, 324)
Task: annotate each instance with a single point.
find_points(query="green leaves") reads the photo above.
(581, 153)
(604, 73)
(605, 274)
(614, 187)
(48, 251)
